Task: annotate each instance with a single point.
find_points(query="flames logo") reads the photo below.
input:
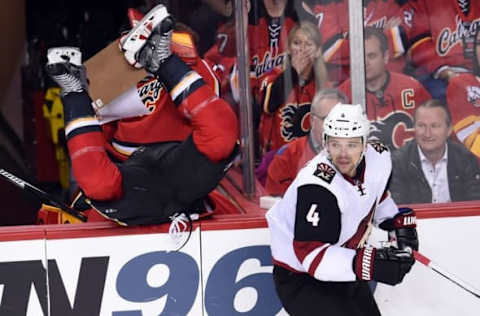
(473, 95)
(149, 89)
(393, 131)
(294, 121)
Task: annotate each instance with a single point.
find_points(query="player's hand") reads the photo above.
(385, 265)
(402, 229)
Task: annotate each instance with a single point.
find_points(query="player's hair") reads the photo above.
(378, 33)
(435, 103)
(327, 93)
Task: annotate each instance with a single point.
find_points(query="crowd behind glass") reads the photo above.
(422, 89)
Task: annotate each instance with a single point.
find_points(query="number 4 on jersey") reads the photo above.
(312, 215)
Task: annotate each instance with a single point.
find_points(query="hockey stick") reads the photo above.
(447, 275)
(44, 196)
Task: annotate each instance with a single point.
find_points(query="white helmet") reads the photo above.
(346, 120)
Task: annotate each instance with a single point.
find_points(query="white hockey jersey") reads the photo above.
(324, 215)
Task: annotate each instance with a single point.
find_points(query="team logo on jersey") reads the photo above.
(295, 121)
(379, 147)
(259, 68)
(464, 32)
(324, 172)
(473, 95)
(149, 89)
(379, 24)
(393, 131)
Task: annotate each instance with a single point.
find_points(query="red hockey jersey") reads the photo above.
(126, 135)
(267, 40)
(286, 109)
(286, 163)
(391, 109)
(441, 33)
(332, 21)
(463, 99)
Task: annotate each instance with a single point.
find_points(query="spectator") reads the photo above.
(329, 15)
(287, 95)
(289, 159)
(149, 187)
(463, 95)
(391, 97)
(432, 168)
(269, 23)
(441, 35)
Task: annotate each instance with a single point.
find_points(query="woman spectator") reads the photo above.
(287, 95)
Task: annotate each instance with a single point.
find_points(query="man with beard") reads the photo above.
(391, 97)
(320, 227)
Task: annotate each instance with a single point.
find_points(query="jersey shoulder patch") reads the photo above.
(324, 172)
(379, 147)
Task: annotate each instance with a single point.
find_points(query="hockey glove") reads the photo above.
(402, 228)
(386, 265)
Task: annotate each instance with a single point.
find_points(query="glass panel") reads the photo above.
(296, 48)
(416, 51)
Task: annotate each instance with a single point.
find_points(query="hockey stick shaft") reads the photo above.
(44, 196)
(447, 275)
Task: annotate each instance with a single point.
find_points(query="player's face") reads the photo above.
(431, 129)
(345, 153)
(375, 60)
(318, 114)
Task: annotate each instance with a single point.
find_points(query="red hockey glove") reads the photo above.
(402, 228)
(386, 265)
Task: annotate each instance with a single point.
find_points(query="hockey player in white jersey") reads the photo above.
(320, 227)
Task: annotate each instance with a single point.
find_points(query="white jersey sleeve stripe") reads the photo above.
(337, 265)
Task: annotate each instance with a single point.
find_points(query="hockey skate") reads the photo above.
(65, 67)
(157, 24)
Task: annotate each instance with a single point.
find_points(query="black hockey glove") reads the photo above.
(402, 228)
(386, 265)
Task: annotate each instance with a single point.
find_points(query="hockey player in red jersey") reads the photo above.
(287, 94)
(291, 157)
(320, 227)
(330, 16)
(391, 97)
(190, 135)
(463, 99)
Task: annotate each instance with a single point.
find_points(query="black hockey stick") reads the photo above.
(447, 275)
(44, 196)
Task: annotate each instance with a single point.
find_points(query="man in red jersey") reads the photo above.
(391, 97)
(441, 35)
(463, 100)
(291, 157)
(193, 138)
